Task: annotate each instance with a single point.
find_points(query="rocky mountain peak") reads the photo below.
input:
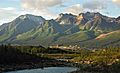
(39, 19)
(118, 18)
(91, 15)
(66, 18)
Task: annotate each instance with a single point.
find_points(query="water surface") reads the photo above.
(47, 70)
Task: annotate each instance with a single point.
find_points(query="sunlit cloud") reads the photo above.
(42, 7)
(95, 5)
(40, 4)
(74, 9)
(116, 2)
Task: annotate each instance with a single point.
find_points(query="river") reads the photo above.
(47, 70)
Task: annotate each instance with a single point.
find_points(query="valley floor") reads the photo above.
(105, 60)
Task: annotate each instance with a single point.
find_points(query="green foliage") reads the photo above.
(99, 57)
(76, 37)
(16, 54)
(102, 60)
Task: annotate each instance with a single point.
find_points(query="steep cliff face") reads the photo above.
(66, 19)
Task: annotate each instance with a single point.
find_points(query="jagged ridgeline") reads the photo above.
(85, 30)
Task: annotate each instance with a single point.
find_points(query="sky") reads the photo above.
(50, 9)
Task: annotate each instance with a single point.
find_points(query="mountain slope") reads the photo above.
(75, 37)
(20, 25)
(109, 39)
(40, 35)
(84, 30)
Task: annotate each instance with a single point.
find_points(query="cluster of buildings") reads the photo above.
(70, 47)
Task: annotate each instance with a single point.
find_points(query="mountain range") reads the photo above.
(85, 30)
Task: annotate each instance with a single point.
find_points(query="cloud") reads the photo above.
(35, 7)
(8, 8)
(116, 2)
(38, 4)
(47, 8)
(74, 9)
(47, 14)
(94, 5)
(89, 5)
(8, 11)
(42, 7)
(8, 14)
